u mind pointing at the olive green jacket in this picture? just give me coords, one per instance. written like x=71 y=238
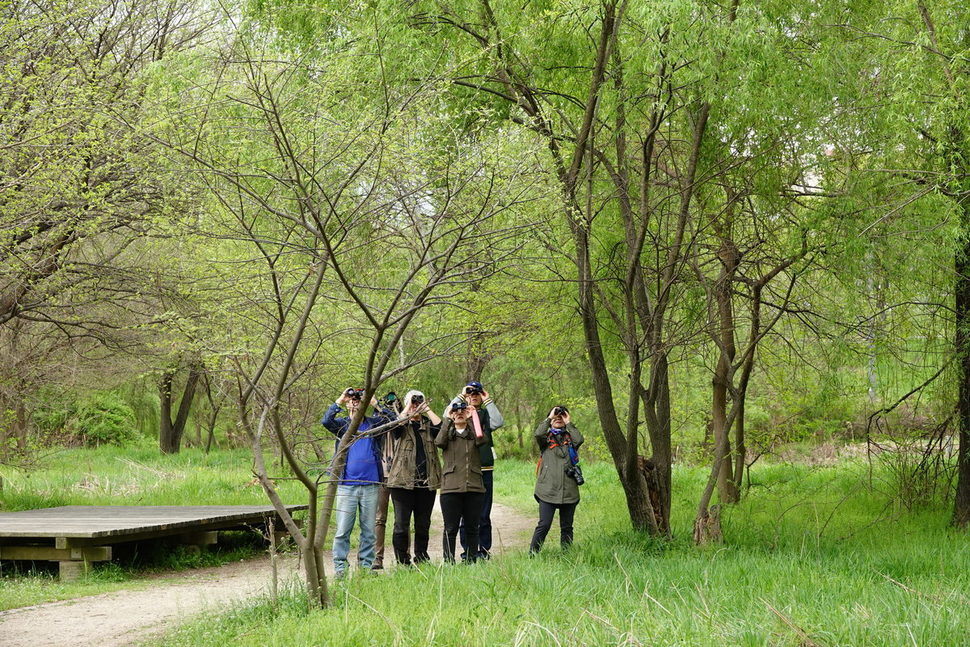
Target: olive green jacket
x=462 y=463
x=404 y=469
x=552 y=484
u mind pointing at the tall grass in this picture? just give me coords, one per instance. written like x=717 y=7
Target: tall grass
x=812 y=556
x=139 y=476
x=110 y=475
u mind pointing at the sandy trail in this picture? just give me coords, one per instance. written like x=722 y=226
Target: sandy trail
x=133 y=616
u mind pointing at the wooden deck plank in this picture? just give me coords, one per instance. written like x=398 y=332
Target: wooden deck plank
x=119 y=521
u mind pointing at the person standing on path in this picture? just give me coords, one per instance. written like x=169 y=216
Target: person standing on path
x=414 y=477
x=462 y=490
x=484 y=413
x=359 y=484
x=558 y=476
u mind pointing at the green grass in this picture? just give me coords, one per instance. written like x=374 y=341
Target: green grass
x=813 y=556
x=138 y=476
x=131 y=476
x=820 y=556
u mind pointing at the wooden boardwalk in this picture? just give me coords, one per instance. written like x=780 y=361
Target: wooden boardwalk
x=76 y=535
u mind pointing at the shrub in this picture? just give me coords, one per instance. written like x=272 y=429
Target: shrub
x=507 y=444
x=102 y=418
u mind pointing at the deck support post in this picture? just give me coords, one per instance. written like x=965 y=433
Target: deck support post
x=70 y=571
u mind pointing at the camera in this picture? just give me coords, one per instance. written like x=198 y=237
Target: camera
x=354 y=394
x=560 y=411
x=575 y=473
x=417 y=399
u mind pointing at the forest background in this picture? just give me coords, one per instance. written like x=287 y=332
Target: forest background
x=711 y=230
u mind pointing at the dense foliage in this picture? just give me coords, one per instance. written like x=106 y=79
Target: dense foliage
x=711 y=230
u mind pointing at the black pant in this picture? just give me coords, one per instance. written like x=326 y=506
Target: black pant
x=546 y=512
x=420 y=503
x=484 y=521
x=456 y=508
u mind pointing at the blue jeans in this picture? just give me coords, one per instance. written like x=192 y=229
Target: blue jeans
x=350 y=500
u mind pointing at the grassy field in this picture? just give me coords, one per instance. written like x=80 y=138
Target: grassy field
x=136 y=476
x=131 y=476
x=813 y=556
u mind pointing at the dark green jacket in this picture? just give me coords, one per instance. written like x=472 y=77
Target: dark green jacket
x=404 y=468
x=491 y=419
x=461 y=462
x=552 y=484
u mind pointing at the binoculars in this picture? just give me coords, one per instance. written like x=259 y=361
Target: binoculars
x=354 y=394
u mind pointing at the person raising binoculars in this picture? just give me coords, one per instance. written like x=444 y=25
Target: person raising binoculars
x=558 y=476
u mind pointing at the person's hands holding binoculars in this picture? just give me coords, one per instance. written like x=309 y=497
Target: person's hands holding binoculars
x=471 y=390
x=560 y=412
x=417 y=407
x=353 y=394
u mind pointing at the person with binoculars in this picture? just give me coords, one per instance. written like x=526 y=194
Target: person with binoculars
x=462 y=490
x=414 y=477
x=484 y=414
x=558 y=476
x=357 y=491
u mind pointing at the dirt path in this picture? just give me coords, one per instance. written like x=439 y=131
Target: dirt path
x=130 y=617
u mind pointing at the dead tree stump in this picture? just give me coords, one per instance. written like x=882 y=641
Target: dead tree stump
x=707 y=528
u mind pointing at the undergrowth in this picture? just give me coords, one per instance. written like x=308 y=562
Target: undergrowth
x=813 y=556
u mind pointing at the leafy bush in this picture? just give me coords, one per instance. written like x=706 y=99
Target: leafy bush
x=507 y=444
x=51 y=416
x=102 y=418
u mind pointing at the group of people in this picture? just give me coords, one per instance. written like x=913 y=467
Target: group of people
x=406 y=453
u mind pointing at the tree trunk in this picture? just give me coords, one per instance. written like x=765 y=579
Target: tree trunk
x=214 y=407
x=210 y=438
x=656 y=406
x=726 y=487
x=476 y=359
x=961 y=508
x=165 y=412
x=197 y=423
x=740 y=446
x=955 y=158
x=642 y=515
x=170 y=432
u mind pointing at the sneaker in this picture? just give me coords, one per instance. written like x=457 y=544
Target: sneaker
x=378 y=566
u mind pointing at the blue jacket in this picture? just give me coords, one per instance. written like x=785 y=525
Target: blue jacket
x=364 y=456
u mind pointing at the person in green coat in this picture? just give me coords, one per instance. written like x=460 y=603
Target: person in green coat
x=462 y=490
x=558 y=476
